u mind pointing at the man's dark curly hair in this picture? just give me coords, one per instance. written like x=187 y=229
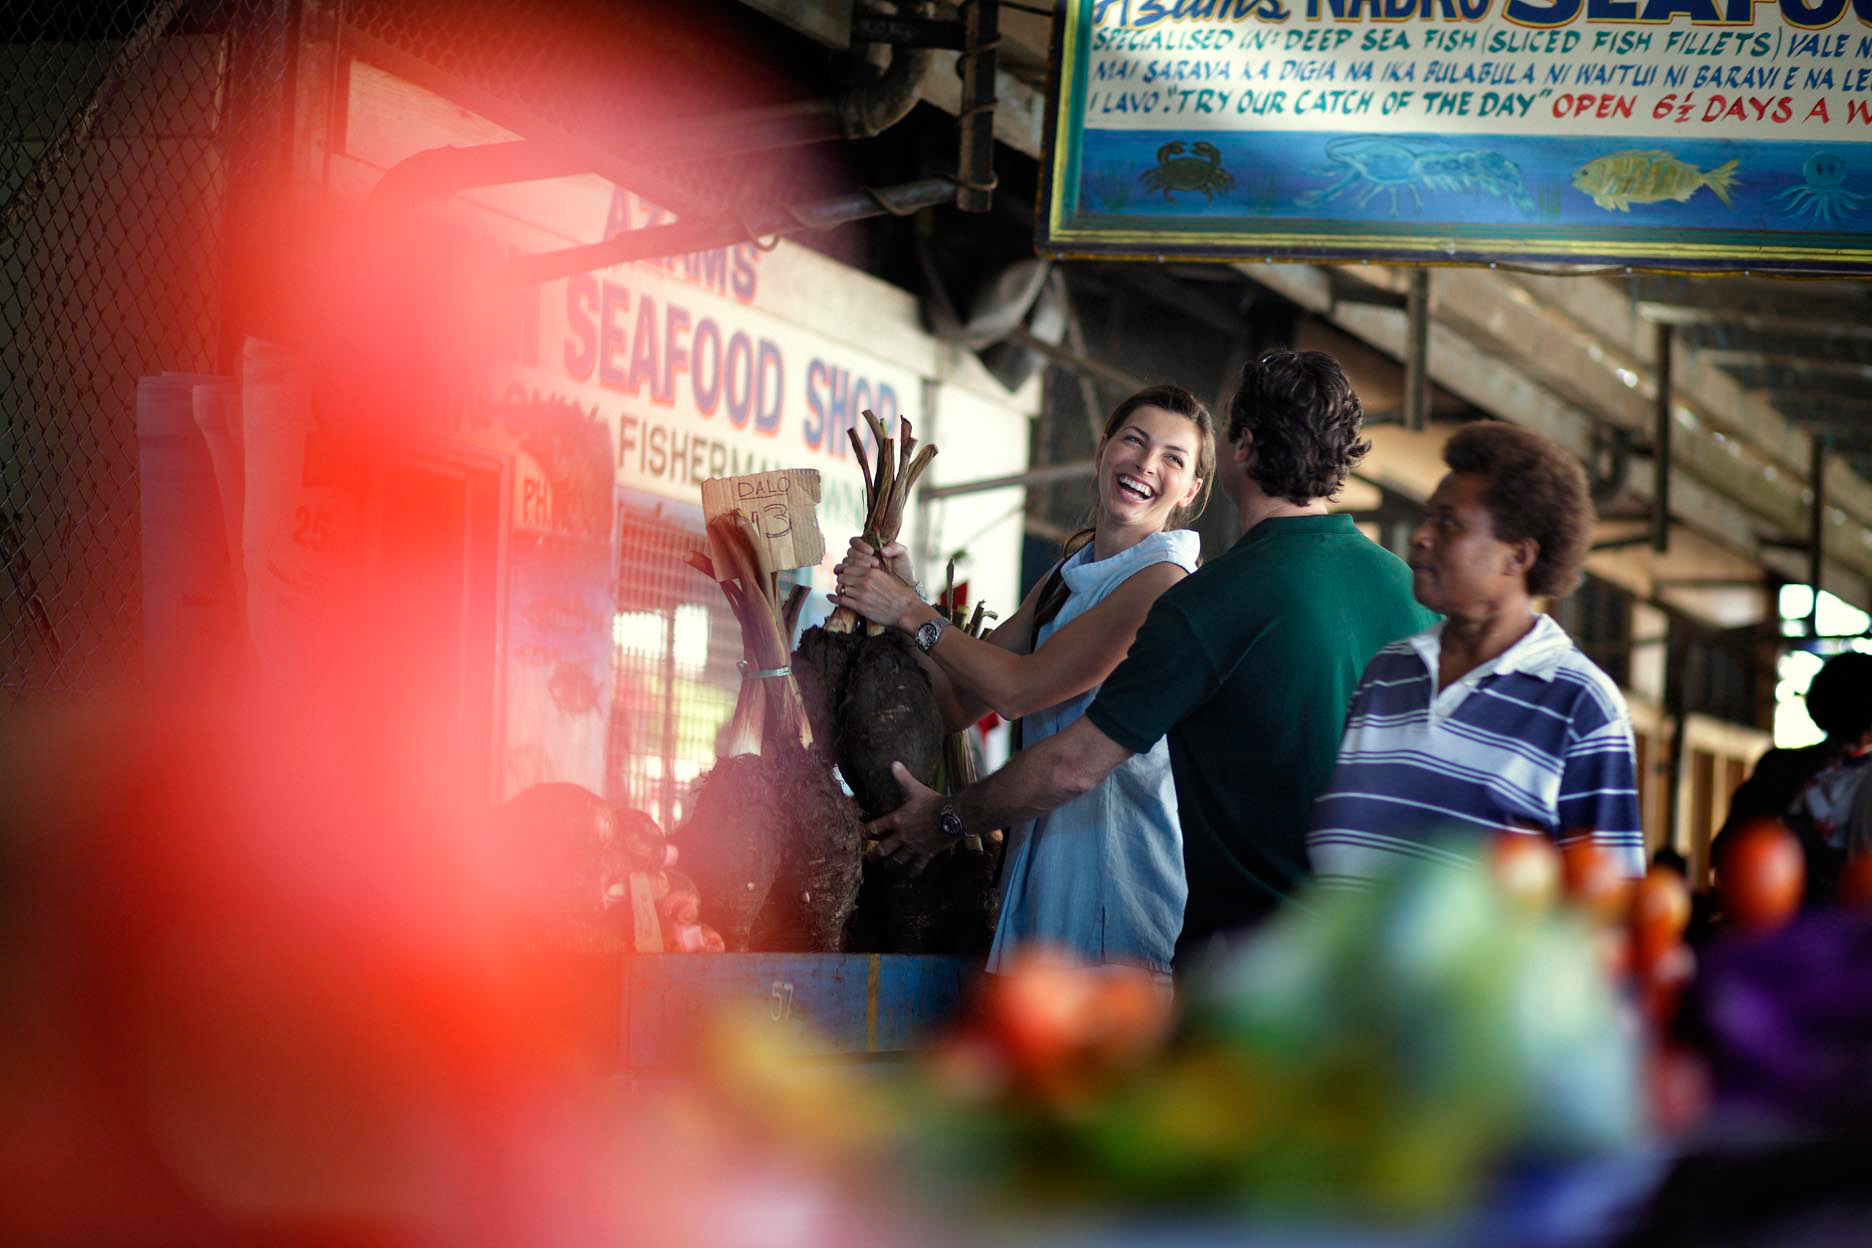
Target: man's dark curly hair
x=1304 y=419
x=1535 y=489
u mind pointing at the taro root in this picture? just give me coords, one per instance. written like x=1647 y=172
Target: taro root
x=887 y=714
x=950 y=907
x=821 y=856
x=772 y=844
x=970 y=877
x=567 y=866
x=731 y=846
x=872 y=702
x=871 y=705
x=643 y=841
x=774 y=849
x=821 y=662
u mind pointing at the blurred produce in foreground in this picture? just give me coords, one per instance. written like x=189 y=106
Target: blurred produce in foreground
x=1378 y=1053
x=1786 y=1023
x=268 y=984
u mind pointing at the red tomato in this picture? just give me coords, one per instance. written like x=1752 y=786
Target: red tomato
x=1526 y=867
x=1063 y=1030
x=1040 y=1014
x=1855 y=882
x=1590 y=875
x=1760 y=874
x=1660 y=912
x=1131 y=1014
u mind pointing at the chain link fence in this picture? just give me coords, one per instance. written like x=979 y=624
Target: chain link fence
x=131 y=138
x=127 y=131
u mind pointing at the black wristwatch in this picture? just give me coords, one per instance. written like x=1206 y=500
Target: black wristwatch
x=929 y=632
x=949 y=822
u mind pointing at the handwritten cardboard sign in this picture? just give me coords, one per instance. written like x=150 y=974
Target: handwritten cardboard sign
x=646 y=932
x=782 y=510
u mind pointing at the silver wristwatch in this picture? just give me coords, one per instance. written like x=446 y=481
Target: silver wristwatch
x=929 y=632
x=949 y=822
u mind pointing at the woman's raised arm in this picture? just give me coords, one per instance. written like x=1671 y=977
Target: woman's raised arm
x=990 y=672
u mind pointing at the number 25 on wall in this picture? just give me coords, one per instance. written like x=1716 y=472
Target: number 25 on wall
x=311 y=529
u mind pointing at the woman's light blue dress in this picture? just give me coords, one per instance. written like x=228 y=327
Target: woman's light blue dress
x=1102 y=876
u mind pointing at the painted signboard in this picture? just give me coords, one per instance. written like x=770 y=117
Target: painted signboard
x=1677 y=134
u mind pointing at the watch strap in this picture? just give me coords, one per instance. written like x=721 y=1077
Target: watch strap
x=929 y=632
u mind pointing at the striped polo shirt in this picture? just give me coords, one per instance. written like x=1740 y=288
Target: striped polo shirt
x=1537 y=739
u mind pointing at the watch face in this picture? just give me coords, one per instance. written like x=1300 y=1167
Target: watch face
x=926 y=635
x=949 y=821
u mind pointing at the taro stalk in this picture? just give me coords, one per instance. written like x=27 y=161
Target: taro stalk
x=768 y=708
x=958 y=763
x=886 y=491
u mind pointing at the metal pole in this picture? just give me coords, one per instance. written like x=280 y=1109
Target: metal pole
x=1816 y=529
x=1676 y=659
x=1661 y=444
x=700 y=235
x=1033 y=476
x=1077 y=361
x=975 y=177
x=668 y=795
x=1417 y=357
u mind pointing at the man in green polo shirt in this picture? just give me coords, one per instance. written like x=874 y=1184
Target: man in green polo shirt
x=1247 y=666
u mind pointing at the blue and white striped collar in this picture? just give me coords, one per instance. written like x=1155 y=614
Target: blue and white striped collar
x=1540 y=653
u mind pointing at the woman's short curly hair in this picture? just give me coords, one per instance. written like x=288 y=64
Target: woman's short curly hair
x=1304 y=418
x=1535 y=490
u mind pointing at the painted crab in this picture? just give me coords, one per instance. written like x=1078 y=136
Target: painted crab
x=1200 y=171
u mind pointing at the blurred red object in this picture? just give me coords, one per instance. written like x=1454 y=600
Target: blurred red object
x=1855 y=882
x=261 y=985
x=1760 y=874
x=1060 y=1030
x=1660 y=911
x=1590 y=877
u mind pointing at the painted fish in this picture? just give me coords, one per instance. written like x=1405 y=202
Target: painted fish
x=1622 y=179
x=563 y=615
x=573 y=690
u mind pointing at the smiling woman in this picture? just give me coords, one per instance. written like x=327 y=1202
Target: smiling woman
x=1101 y=878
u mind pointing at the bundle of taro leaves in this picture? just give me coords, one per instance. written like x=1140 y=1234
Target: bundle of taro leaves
x=870 y=704
x=775 y=848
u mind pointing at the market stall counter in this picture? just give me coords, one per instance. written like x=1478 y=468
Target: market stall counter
x=832 y=1004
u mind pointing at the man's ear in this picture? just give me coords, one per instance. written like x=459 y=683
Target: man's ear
x=1241 y=448
x=1523 y=553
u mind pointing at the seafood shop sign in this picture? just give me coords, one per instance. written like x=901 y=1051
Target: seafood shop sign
x=1683 y=134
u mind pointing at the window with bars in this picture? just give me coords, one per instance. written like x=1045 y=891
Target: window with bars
x=676 y=644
